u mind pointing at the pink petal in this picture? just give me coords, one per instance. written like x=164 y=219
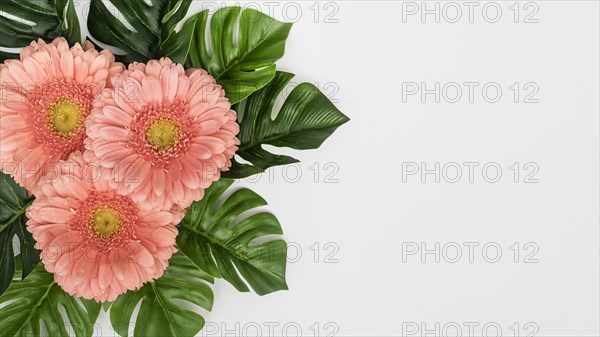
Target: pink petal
x=162 y=238
x=52 y=214
x=105 y=273
x=152 y=89
x=158 y=182
x=67 y=65
x=143 y=257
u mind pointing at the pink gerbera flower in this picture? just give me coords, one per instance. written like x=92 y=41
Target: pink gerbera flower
x=45 y=98
x=164 y=133
x=97 y=242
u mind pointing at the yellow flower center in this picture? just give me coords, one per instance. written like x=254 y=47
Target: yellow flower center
x=65 y=117
x=106 y=222
x=162 y=133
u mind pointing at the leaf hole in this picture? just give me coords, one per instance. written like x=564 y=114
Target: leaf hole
x=63 y=17
x=16 y=18
x=279 y=103
x=239 y=109
x=185 y=305
x=236 y=30
x=222 y=199
x=242 y=160
x=118 y=15
x=54 y=328
x=264 y=239
x=208 y=35
x=134 y=317
x=114 y=50
x=245 y=215
x=9 y=302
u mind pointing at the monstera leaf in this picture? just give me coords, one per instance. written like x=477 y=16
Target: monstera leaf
x=13 y=204
x=159 y=316
x=35 y=19
x=38 y=299
x=154 y=25
x=244 y=62
x=306 y=119
x=209 y=237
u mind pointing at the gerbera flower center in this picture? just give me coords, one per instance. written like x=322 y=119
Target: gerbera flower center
x=58 y=111
x=65 y=117
x=105 y=222
x=162 y=133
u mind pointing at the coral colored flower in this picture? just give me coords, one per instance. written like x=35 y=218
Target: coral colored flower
x=97 y=242
x=45 y=98
x=164 y=133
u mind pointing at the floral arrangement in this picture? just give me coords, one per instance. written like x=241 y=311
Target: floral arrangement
x=115 y=165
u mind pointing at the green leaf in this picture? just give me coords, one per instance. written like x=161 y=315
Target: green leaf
x=306 y=119
x=207 y=237
x=93 y=309
x=33 y=19
x=14 y=201
x=154 y=25
x=106 y=306
x=239 y=171
x=241 y=65
x=69 y=22
x=159 y=316
x=38 y=299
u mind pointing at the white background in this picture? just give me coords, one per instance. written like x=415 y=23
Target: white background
x=364 y=216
